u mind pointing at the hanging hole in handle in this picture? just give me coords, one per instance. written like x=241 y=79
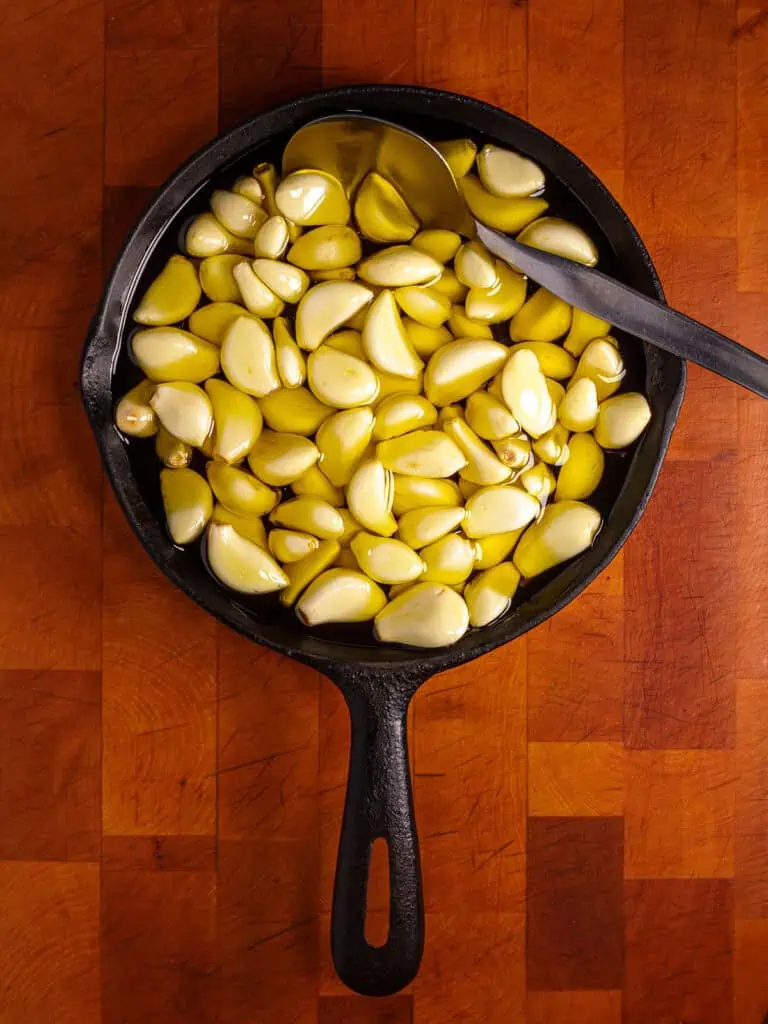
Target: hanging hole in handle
x=377 y=896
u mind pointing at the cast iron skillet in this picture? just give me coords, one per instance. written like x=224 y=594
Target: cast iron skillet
x=377 y=681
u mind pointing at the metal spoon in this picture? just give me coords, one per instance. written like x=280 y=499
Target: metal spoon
x=350 y=146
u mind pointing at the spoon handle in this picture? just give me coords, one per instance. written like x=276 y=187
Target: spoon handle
x=622 y=306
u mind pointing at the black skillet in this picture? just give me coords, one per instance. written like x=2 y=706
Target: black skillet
x=377 y=681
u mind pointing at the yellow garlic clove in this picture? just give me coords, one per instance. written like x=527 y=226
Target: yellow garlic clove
x=257 y=297
x=422 y=526
x=475 y=267
x=602 y=363
x=331 y=247
x=400 y=414
x=294 y=410
x=425 y=340
x=539 y=481
x=285 y=281
x=514 y=452
x=543 y=317
x=449 y=412
x=172 y=452
x=314 y=482
x=206 y=237
x=240 y=492
x=578 y=409
x=448 y=560
x=399 y=266
x=494 y=305
x=386 y=560
x=238 y=214
x=461 y=367
x=381 y=212
x=482 y=465
x=489 y=595
x=217 y=280
x=369 y=497
x=341 y=380
x=351 y=528
x=424 y=615
x=309 y=514
x=552 y=447
x=489 y=417
x=584 y=328
x=459 y=154
x=291 y=545
x=507 y=215
x=392 y=384
x=554 y=361
x=170 y=354
x=494 y=388
x=172 y=296
x=467 y=488
x=565 y=530
x=385 y=341
x=312 y=198
x=188 y=503
x=498 y=510
x=134 y=416
x=250 y=527
x=428 y=453
x=206 y=448
x=508 y=174
x=450 y=286
x=279 y=459
x=326 y=307
x=342 y=274
x=583 y=471
x=348 y=341
x=561 y=238
x=211 y=321
x=240 y=564
x=342 y=440
x=237 y=421
x=621 y=420
x=525 y=392
x=340 y=595
x=184 y=410
x=249 y=187
x=495 y=548
x=248 y=357
x=300 y=574
x=462 y=327
x=291 y=365
x=439 y=243
x=416 y=492
x=346 y=560
x=266 y=175
x=556 y=392
x=423 y=305
x=272 y=238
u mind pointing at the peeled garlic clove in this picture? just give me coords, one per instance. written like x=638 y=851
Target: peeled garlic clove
x=489 y=595
x=474 y=266
x=539 y=481
x=448 y=560
x=172 y=296
x=554 y=361
x=258 y=298
x=399 y=266
x=461 y=367
x=170 y=354
x=578 y=409
x=424 y=615
x=248 y=357
x=386 y=560
x=240 y=492
x=250 y=527
x=285 y=281
x=188 y=503
x=556 y=392
x=211 y=321
x=552 y=447
x=439 y=243
x=279 y=459
x=543 y=317
x=514 y=452
x=250 y=188
x=266 y=175
x=205 y=236
x=583 y=471
x=351 y=527
x=449 y=412
x=450 y=286
x=416 y=492
x=217 y=280
x=291 y=545
x=342 y=274
x=326 y=248
x=340 y=595
x=621 y=420
x=134 y=416
x=312 y=198
x=584 y=328
x=459 y=154
x=272 y=238
x=508 y=174
x=342 y=441
x=241 y=565
x=385 y=341
x=467 y=489
x=507 y=215
x=294 y=411
x=498 y=510
x=422 y=526
x=494 y=305
x=425 y=340
x=291 y=365
x=421 y=453
x=489 y=417
x=348 y=341
x=602 y=363
x=341 y=380
x=172 y=452
x=482 y=465
x=314 y=482
x=400 y=414
x=238 y=214
x=309 y=515
x=551 y=234
x=381 y=212
x=462 y=327
x=495 y=548
x=424 y=305
x=369 y=497
x=525 y=392
x=237 y=421
x=326 y=307
x=301 y=573
x=565 y=530
x=392 y=384
x=184 y=410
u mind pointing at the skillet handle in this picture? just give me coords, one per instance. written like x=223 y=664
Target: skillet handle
x=378 y=804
